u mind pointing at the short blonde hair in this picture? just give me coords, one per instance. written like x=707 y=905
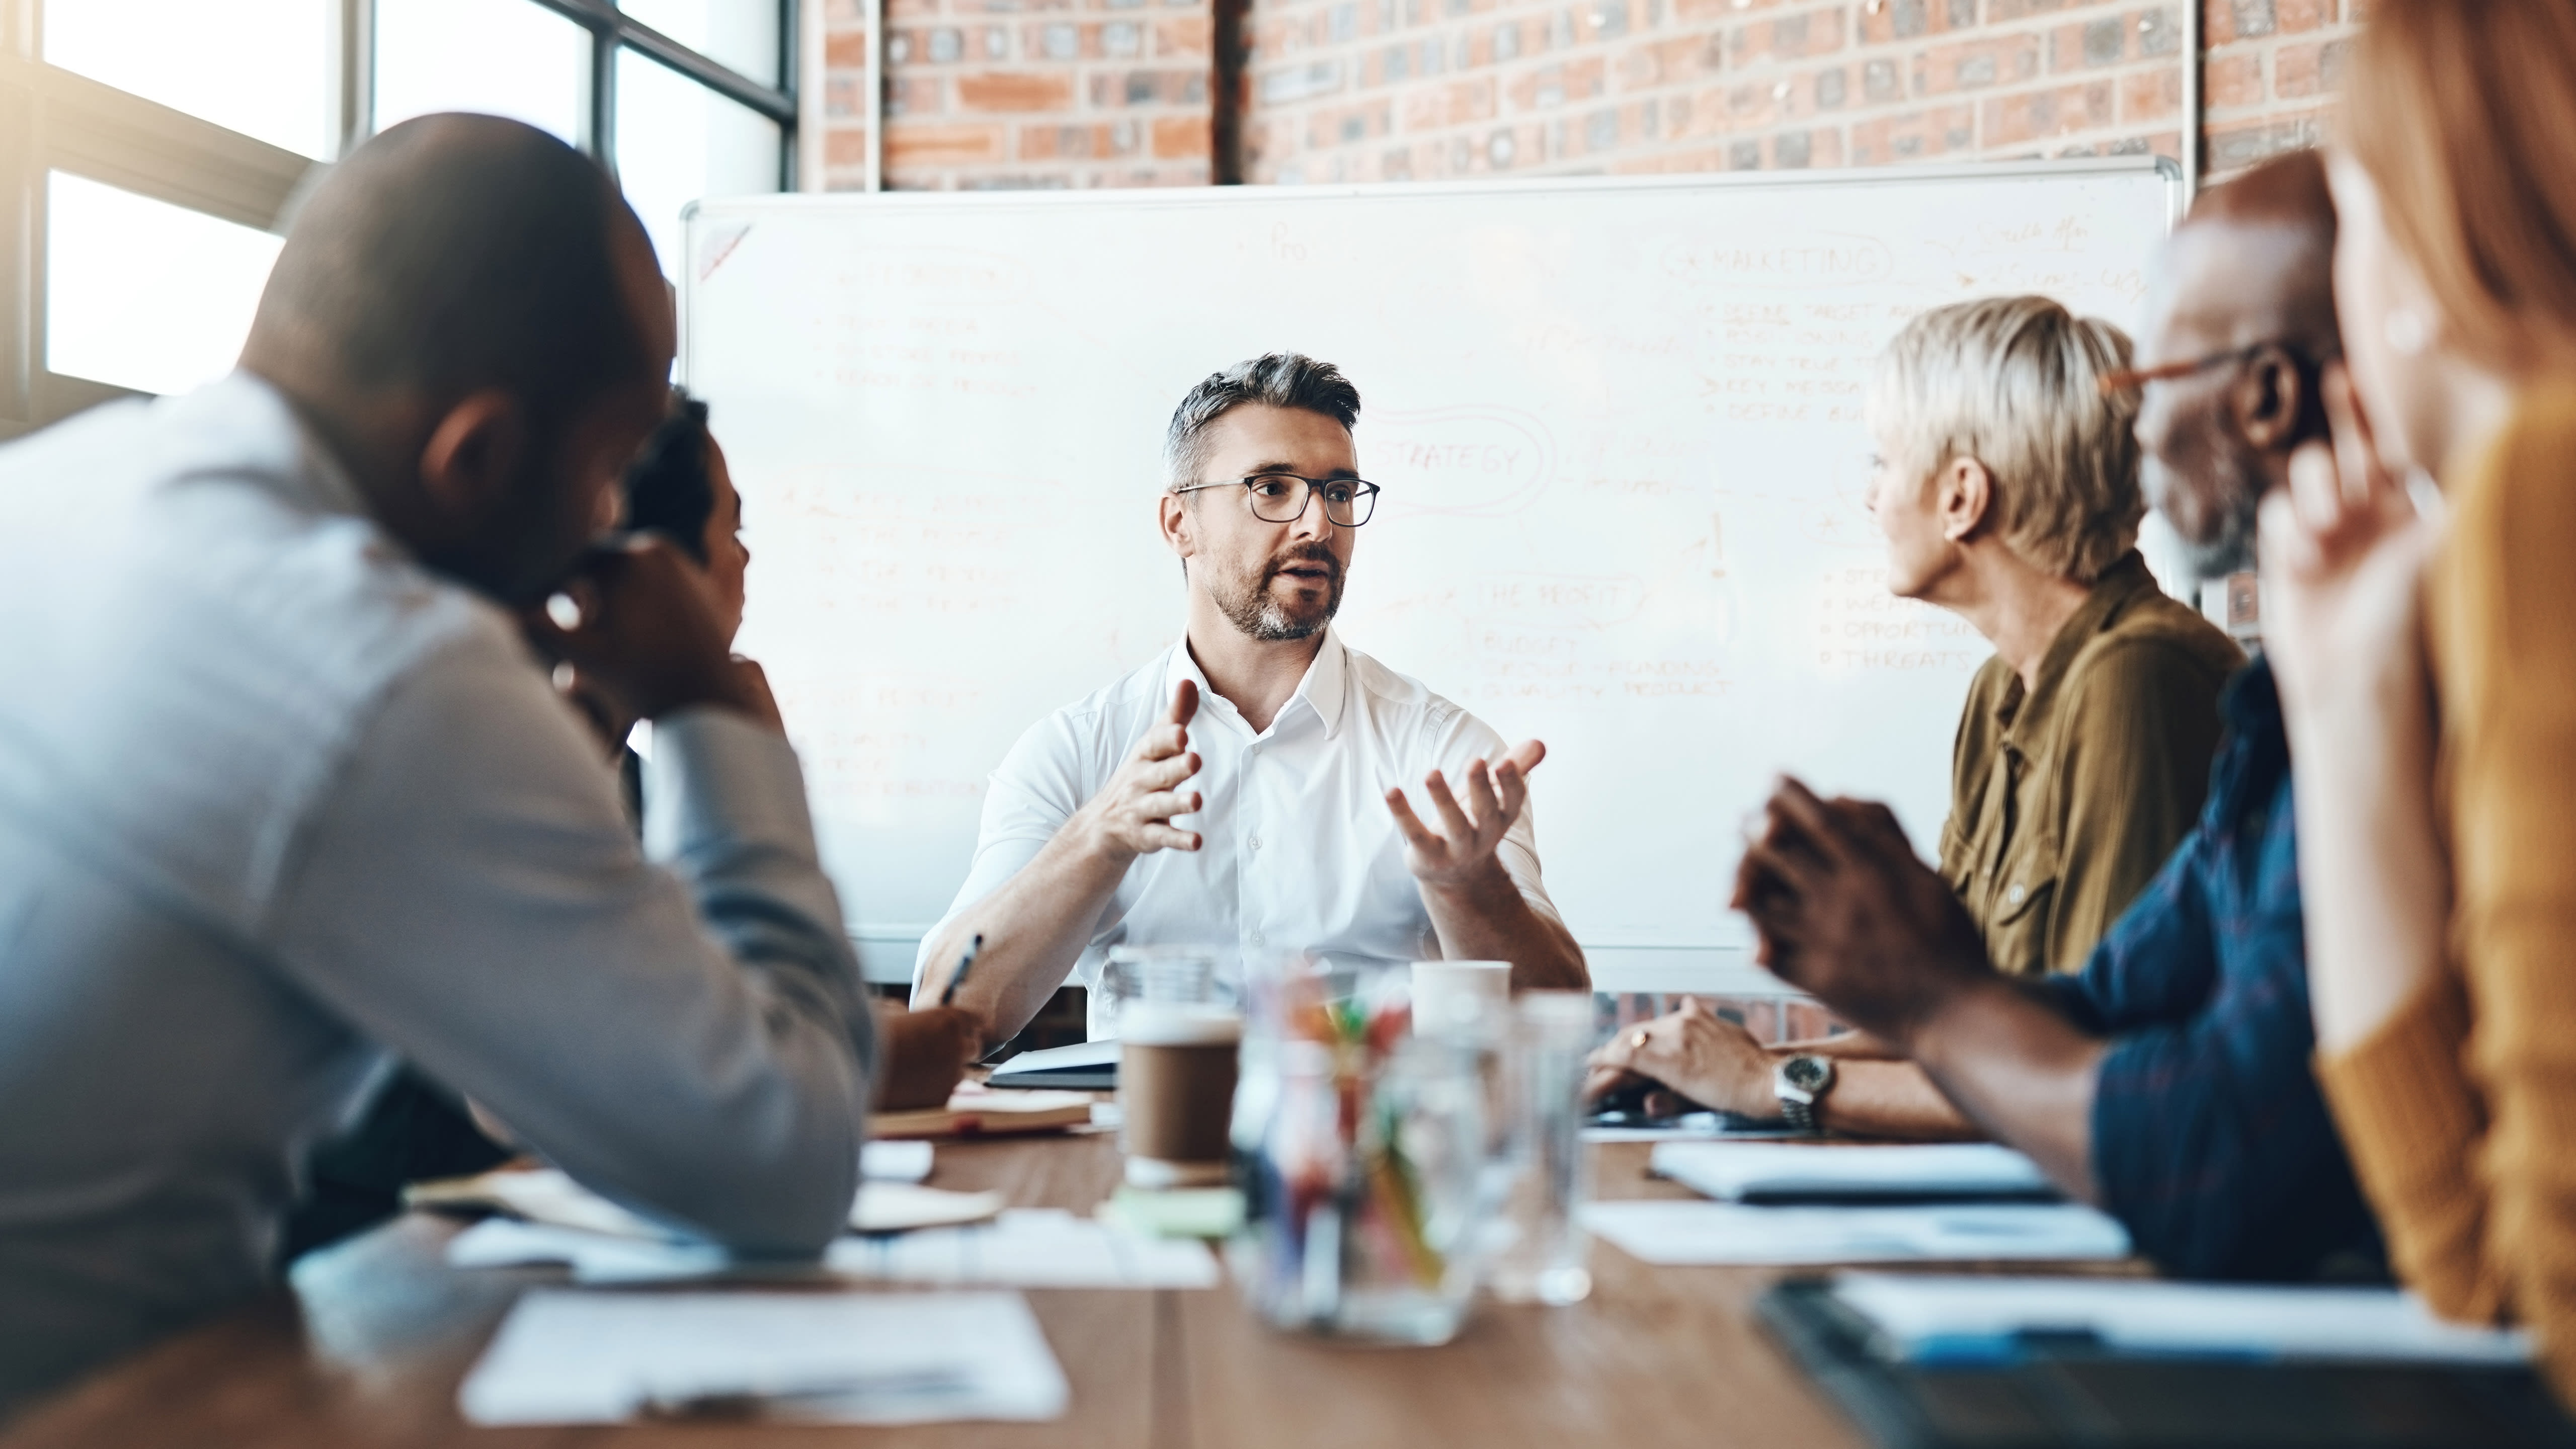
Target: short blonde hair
x=2016 y=383
x=2462 y=114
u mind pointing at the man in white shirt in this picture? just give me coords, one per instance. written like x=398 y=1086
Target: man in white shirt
x=1287 y=753
x=283 y=792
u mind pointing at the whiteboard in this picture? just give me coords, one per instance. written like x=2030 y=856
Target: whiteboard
x=1618 y=423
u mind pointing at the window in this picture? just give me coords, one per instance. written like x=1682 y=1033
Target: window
x=504 y=57
x=143 y=294
x=678 y=141
x=260 y=67
x=149 y=147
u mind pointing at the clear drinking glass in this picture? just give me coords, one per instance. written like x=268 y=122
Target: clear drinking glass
x=1362 y=1151
x=1540 y=1250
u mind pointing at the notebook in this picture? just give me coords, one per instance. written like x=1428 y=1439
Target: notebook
x=974 y=1111
x=1090 y=1066
x=1783 y=1172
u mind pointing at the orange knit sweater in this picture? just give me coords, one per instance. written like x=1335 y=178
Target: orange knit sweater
x=2460 y=1111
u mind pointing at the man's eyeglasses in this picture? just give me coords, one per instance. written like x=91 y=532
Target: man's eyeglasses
x=1281 y=497
x=2131 y=379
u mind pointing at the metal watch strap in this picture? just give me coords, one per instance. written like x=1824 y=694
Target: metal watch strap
x=1797 y=1103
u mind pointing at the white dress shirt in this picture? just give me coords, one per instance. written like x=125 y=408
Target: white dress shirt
x=1297 y=852
x=276 y=801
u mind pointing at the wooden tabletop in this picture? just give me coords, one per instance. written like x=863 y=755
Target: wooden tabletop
x=369 y=1348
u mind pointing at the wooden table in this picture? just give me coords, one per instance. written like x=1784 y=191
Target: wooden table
x=370 y=1346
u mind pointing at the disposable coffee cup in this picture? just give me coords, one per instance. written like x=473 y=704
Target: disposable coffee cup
x=1462 y=1001
x=1176 y=1073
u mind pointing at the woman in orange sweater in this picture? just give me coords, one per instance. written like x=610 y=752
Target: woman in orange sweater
x=2428 y=666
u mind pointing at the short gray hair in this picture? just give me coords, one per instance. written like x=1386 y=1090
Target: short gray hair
x=1278 y=379
x=2016 y=383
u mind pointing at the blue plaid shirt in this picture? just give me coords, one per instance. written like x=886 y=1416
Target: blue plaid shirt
x=2211 y=1141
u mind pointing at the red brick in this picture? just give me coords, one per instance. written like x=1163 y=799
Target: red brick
x=2298 y=16
x=1792 y=37
x=1977 y=64
x=1666 y=62
x=1002 y=90
x=846 y=49
x=2150 y=95
x=1939 y=131
x=916 y=95
x=941 y=145
x=1181 y=138
x=2233 y=81
x=1192 y=35
x=845 y=146
x=2304 y=71
x=2038 y=115
x=1457 y=103
x=1936 y=17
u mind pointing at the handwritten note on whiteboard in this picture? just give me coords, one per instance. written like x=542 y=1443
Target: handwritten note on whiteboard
x=1618 y=424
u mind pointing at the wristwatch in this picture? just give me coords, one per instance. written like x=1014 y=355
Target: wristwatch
x=1800 y=1082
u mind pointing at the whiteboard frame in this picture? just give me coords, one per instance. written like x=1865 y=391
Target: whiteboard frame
x=1716 y=970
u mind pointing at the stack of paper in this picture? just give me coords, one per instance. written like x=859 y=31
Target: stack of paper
x=1927 y=1319
x=1724 y=1232
x=1022 y=1248
x=548 y=1195
x=565 y=1357
x=1779 y=1172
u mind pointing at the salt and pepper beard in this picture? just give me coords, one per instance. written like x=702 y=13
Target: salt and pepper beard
x=1252 y=609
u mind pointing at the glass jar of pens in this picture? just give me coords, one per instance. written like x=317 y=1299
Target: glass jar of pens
x=1364 y=1154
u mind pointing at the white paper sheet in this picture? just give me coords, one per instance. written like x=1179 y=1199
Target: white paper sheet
x=1751 y=1171
x=1668 y=1232
x=895 y=1161
x=1100 y=1053
x=1953 y=1319
x=1031 y=1248
x=569 y=1357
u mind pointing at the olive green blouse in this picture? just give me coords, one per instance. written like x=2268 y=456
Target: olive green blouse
x=2065 y=798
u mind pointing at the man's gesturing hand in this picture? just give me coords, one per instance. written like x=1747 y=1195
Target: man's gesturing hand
x=1845 y=911
x=1462 y=850
x=1132 y=814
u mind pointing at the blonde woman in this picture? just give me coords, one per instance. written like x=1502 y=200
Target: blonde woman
x=2442 y=902
x=2007 y=488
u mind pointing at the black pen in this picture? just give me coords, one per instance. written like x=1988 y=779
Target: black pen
x=965 y=964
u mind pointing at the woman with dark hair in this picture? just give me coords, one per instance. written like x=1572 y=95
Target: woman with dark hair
x=680 y=488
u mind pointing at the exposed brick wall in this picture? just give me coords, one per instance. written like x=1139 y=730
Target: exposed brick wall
x=2272 y=69
x=1117 y=92
x=1025 y=93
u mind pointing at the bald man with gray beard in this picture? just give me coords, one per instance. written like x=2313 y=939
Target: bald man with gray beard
x=285 y=795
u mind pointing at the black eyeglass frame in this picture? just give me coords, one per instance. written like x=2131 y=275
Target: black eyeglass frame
x=1363 y=504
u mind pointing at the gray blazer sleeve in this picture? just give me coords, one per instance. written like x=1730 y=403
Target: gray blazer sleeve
x=687 y=1034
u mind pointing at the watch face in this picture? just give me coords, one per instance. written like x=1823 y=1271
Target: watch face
x=1804 y=1073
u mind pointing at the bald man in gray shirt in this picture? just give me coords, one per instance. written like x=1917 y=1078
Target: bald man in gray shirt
x=284 y=792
